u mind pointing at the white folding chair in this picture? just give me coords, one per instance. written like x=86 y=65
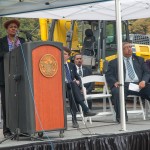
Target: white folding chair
x=100 y=95
x=135 y=110
x=147 y=108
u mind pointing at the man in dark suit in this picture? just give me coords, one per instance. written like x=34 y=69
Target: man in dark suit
x=84 y=71
x=73 y=84
x=7 y=43
x=135 y=71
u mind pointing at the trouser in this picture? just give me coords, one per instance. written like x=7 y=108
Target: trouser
x=144 y=93
x=90 y=104
x=75 y=97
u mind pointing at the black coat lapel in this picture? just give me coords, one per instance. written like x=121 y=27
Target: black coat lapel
x=5 y=44
x=71 y=70
x=84 y=71
x=135 y=66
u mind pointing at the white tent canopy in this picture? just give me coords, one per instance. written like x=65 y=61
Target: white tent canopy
x=130 y=9
x=8 y=7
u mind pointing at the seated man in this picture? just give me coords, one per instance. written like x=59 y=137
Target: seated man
x=84 y=71
x=135 y=71
x=74 y=89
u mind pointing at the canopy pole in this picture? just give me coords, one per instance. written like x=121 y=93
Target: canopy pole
x=120 y=64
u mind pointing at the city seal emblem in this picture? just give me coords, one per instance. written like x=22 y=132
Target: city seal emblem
x=48 y=65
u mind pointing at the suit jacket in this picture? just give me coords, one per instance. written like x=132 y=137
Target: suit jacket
x=4 y=48
x=87 y=72
x=140 y=68
x=73 y=72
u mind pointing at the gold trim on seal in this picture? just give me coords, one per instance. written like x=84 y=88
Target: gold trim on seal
x=48 y=65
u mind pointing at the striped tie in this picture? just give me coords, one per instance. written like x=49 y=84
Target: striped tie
x=80 y=72
x=130 y=70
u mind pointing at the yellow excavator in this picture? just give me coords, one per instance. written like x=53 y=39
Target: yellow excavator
x=64 y=31
x=104 y=32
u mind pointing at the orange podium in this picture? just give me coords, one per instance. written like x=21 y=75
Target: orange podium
x=35 y=87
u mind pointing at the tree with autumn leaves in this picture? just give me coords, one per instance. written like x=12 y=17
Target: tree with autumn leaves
x=140 y=26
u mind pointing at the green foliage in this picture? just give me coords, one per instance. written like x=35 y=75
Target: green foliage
x=139 y=26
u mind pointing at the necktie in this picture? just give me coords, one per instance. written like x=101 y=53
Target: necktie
x=130 y=70
x=80 y=72
x=68 y=75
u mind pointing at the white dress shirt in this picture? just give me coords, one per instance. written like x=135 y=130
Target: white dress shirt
x=78 y=69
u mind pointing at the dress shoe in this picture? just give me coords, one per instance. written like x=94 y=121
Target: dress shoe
x=7 y=135
x=75 y=124
x=89 y=113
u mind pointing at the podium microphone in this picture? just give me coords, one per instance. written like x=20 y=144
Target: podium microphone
x=23 y=31
x=28 y=35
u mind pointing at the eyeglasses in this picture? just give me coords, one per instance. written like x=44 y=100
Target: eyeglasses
x=126 y=47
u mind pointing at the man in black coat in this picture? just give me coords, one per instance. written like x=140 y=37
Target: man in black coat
x=84 y=71
x=73 y=84
x=135 y=71
x=7 y=43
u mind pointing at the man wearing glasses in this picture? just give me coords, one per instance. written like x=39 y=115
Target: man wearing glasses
x=135 y=71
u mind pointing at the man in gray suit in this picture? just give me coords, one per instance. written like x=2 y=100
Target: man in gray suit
x=135 y=71
x=84 y=71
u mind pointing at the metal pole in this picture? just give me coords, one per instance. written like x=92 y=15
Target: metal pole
x=51 y=30
x=120 y=64
x=70 y=34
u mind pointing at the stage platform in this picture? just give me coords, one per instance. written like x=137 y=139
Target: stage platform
x=102 y=134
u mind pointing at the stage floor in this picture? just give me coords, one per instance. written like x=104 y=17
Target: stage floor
x=100 y=126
